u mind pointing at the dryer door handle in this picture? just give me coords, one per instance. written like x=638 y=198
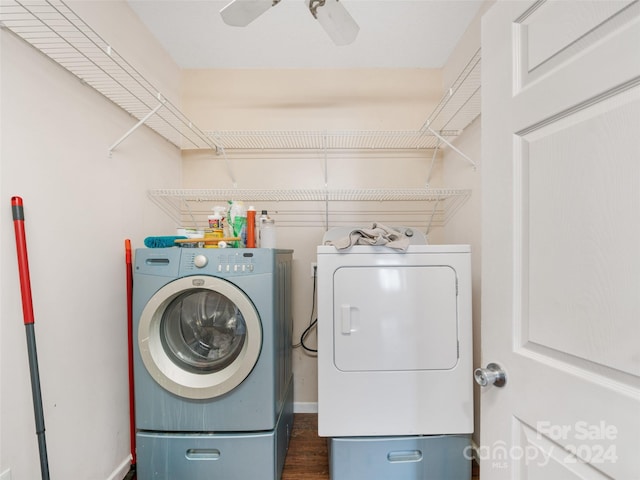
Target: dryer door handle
x=346 y=319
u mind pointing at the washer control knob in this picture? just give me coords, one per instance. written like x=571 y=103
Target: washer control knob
x=200 y=261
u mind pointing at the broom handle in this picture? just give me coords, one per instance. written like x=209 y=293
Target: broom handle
x=27 y=311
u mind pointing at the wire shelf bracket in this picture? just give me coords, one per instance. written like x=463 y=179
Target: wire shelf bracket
x=452 y=147
x=135 y=127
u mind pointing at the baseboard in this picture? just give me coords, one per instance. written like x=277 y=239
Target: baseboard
x=121 y=471
x=305 y=407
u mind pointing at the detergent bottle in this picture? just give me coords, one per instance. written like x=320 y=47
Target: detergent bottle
x=267 y=231
x=251 y=227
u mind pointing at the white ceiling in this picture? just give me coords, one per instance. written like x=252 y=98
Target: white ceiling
x=393 y=34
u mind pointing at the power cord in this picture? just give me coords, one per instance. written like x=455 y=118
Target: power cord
x=312 y=321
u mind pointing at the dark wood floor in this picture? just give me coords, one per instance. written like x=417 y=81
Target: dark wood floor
x=307 y=458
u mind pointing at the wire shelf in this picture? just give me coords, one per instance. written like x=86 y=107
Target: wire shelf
x=57 y=31
x=329 y=140
x=461 y=103
x=456 y=110
x=318 y=207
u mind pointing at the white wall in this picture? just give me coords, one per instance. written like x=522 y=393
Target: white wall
x=80 y=206
x=466 y=226
x=457 y=172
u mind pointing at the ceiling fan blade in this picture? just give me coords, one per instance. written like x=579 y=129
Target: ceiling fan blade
x=240 y=13
x=335 y=19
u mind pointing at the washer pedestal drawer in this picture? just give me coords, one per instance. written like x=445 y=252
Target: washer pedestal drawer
x=214 y=456
x=435 y=457
x=203 y=457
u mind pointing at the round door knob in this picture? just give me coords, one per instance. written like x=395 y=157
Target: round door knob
x=492 y=375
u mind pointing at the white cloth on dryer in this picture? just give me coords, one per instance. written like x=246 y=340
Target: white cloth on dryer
x=378 y=234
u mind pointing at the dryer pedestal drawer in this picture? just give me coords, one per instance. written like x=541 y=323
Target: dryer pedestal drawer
x=437 y=457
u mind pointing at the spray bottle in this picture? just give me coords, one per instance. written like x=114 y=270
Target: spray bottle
x=238 y=222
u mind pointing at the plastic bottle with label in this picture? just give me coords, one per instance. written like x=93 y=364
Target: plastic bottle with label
x=267 y=231
x=251 y=227
x=263 y=216
x=216 y=221
x=238 y=222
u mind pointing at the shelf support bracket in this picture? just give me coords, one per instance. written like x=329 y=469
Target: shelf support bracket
x=442 y=139
x=232 y=175
x=326 y=181
x=433 y=214
x=135 y=127
x=433 y=161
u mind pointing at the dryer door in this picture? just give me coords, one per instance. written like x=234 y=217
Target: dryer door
x=395 y=318
x=199 y=337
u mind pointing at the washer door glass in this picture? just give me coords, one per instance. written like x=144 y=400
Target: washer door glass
x=199 y=336
x=203 y=331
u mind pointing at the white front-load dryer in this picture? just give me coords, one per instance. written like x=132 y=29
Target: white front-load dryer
x=394 y=341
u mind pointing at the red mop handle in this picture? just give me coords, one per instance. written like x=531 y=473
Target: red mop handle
x=132 y=409
x=23 y=261
x=27 y=310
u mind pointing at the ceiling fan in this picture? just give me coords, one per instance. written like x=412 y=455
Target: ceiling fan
x=331 y=14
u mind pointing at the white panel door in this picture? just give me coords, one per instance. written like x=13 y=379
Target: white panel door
x=561 y=240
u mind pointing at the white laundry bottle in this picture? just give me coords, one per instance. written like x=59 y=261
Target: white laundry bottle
x=263 y=216
x=267 y=231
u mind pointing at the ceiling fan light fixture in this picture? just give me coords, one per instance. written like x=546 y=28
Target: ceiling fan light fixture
x=335 y=19
x=240 y=13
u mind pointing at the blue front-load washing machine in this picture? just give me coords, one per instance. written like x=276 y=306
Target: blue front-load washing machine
x=212 y=362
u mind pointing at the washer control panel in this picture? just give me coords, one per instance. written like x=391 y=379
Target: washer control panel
x=226 y=261
x=235 y=268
